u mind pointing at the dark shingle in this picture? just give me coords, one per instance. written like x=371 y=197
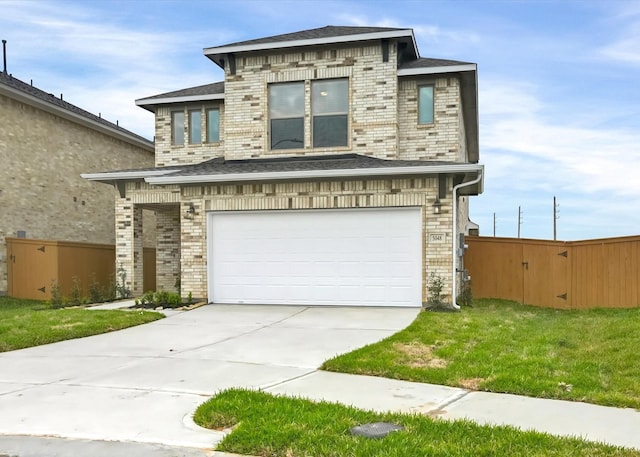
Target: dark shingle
x=221 y=166
x=16 y=84
x=426 y=62
x=328 y=31
x=206 y=89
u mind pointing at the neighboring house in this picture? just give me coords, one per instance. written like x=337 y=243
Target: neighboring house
x=332 y=166
x=45 y=143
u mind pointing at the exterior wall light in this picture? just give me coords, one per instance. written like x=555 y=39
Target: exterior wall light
x=190 y=211
x=437 y=206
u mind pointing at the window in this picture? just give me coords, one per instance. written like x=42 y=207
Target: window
x=330 y=107
x=425 y=105
x=177 y=127
x=286 y=115
x=213 y=125
x=195 y=127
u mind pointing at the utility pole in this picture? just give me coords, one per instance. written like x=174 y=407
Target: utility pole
x=494 y=225
x=519 y=220
x=555 y=217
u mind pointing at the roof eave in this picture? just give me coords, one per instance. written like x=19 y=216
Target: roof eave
x=150 y=103
x=215 y=53
x=437 y=70
x=110 y=176
x=74 y=117
x=464 y=169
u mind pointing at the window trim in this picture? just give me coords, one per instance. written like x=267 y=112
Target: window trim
x=174 y=126
x=308 y=116
x=190 y=129
x=313 y=116
x=433 y=104
x=302 y=116
x=207 y=110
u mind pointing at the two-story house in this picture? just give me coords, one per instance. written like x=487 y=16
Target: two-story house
x=332 y=166
x=45 y=144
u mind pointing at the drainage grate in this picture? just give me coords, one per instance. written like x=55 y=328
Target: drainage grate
x=375 y=429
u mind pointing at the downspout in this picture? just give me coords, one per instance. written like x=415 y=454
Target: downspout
x=455 y=235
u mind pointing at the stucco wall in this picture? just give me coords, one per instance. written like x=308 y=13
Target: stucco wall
x=41 y=191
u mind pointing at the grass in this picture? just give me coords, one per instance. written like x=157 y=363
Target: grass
x=501 y=346
x=265 y=425
x=27 y=323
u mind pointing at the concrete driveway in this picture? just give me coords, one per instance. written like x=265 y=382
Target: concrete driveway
x=142 y=384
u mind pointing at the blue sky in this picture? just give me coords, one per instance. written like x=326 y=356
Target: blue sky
x=559 y=83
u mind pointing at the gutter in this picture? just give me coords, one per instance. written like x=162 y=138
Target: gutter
x=312 y=174
x=437 y=70
x=124 y=175
x=455 y=234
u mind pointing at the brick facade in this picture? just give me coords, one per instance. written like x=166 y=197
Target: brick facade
x=370 y=193
x=41 y=191
x=382 y=123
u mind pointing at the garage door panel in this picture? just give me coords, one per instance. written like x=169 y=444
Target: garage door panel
x=341 y=257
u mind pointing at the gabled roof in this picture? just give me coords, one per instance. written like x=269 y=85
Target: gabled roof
x=27 y=93
x=213 y=91
x=330 y=34
x=337 y=166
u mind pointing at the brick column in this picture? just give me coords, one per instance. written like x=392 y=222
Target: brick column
x=168 y=247
x=193 y=250
x=129 y=246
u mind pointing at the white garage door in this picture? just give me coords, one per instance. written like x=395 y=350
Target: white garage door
x=364 y=257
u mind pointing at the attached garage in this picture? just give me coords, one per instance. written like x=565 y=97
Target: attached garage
x=358 y=257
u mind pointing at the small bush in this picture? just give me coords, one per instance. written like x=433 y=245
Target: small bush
x=75 y=296
x=95 y=290
x=435 y=299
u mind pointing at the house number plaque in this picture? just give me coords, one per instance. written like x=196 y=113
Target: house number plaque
x=436 y=237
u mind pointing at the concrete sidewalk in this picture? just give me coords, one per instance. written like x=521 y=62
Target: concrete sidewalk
x=141 y=385
x=616 y=426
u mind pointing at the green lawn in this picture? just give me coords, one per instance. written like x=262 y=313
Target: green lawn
x=501 y=346
x=264 y=425
x=26 y=323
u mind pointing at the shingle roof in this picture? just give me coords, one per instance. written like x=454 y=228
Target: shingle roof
x=328 y=35
x=427 y=62
x=14 y=83
x=328 y=31
x=205 y=89
x=220 y=166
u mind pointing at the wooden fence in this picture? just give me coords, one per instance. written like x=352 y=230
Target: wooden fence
x=558 y=274
x=36 y=265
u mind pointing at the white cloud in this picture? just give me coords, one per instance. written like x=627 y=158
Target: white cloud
x=625 y=45
x=532 y=153
x=112 y=63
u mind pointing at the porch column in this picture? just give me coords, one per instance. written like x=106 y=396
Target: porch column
x=193 y=249
x=168 y=247
x=129 y=248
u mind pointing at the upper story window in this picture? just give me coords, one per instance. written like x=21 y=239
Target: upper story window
x=425 y=104
x=330 y=108
x=329 y=116
x=193 y=131
x=195 y=127
x=177 y=127
x=286 y=115
x=213 y=125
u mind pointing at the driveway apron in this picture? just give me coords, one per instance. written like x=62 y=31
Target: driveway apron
x=143 y=383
